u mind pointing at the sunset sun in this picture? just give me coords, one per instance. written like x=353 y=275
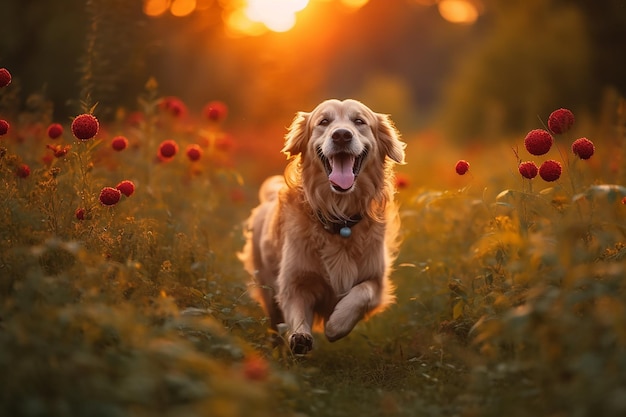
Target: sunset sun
x=276 y=15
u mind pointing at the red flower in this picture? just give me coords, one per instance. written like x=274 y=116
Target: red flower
x=80 y=213
x=528 y=169
x=22 y=171
x=173 y=106
x=402 y=181
x=126 y=187
x=237 y=195
x=194 y=152
x=109 y=196
x=135 y=118
x=167 y=149
x=119 y=143
x=55 y=130
x=224 y=143
x=550 y=170
x=538 y=142
x=560 y=121
x=462 y=167
x=5 y=77
x=255 y=368
x=583 y=148
x=4 y=127
x=85 y=127
x=215 y=111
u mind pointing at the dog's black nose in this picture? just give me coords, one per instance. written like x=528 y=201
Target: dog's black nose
x=342 y=136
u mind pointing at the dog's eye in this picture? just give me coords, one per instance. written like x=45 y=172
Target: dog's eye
x=359 y=121
x=324 y=122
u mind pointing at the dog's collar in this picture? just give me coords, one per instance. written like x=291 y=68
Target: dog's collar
x=339 y=226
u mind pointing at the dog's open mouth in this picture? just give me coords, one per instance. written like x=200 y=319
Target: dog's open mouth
x=342 y=169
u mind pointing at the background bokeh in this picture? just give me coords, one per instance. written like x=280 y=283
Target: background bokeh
x=476 y=68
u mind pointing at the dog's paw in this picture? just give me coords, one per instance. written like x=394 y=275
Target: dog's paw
x=301 y=343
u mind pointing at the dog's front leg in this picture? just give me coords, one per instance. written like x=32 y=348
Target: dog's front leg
x=297 y=301
x=361 y=299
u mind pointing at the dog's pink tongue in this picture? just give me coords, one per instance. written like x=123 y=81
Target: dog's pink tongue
x=341 y=173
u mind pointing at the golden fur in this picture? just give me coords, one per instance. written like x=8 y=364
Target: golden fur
x=306 y=275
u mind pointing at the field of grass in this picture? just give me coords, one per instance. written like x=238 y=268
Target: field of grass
x=511 y=297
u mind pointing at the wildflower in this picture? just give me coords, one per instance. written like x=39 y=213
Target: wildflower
x=80 y=213
x=528 y=169
x=560 y=121
x=402 y=181
x=85 y=126
x=126 y=187
x=215 y=111
x=550 y=170
x=224 y=143
x=55 y=130
x=22 y=171
x=256 y=368
x=194 y=152
x=5 y=77
x=583 y=148
x=173 y=106
x=462 y=167
x=135 y=118
x=538 y=142
x=237 y=195
x=119 y=143
x=167 y=149
x=109 y=196
x=4 y=127
x=59 y=151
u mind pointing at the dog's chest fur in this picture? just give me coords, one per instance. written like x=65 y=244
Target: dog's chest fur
x=342 y=258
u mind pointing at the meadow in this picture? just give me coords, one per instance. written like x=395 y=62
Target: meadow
x=121 y=293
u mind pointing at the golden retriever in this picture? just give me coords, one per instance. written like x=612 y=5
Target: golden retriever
x=321 y=243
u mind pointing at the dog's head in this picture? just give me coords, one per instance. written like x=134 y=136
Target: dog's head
x=343 y=138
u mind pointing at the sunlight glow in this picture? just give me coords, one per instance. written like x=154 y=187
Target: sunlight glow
x=238 y=24
x=156 y=7
x=182 y=7
x=354 y=4
x=276 y=15
x=458 y=11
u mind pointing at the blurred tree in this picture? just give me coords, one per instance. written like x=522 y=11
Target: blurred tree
x=607 y=31
x=113 y=63
x=534 y=58
x=40 y=46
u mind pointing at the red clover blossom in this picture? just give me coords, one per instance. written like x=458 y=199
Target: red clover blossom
x=538 y=142
x=583 y=148
x=550 y=170
x=528 y=169
x=560 y=121
x=85 y=127
x=462 y=167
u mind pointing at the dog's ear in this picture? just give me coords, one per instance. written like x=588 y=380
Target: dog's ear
x=389 y=139
x=297 y=135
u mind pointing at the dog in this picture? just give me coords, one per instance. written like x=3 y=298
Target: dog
x=321 y=243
